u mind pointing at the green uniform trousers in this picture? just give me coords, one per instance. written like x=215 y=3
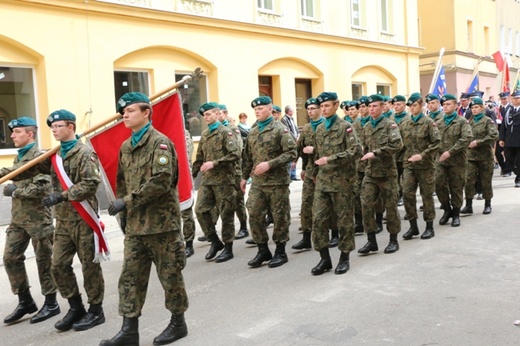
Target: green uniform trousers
x=222 y=196
x=484 y=169
x=425 y=180
x=374 y=191
x=449 y=183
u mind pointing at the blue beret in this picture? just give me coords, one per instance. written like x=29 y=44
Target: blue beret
x=222 y=107
x=413 y=98
x=504 y=94
x=399 y=98
x=327 y=96
x=447 y=97
x=516 y=93
x=311 y=101
x=207 y=106
x=375 y=98
x=431 y=97
x=277 y=109
x=477 y=93
x=476 y=101
x=130 y=98
x=261 y=101
x=21 y=122
x=362 y=101
x=61 y=114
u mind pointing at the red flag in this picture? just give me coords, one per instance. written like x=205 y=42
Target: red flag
x=167 y=118
x=506 y=80
x=499 y=61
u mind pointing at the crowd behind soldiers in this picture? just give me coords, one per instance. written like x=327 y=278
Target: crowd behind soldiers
x=355 y=168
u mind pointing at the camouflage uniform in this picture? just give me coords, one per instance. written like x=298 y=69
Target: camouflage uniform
x=481 y=158
x=188 y=222
x=30 y=222
x=73 y=234
x=217 y=184
x=335 y=182
x=419 y=137
x=399 y=120
x=306 y=139
x=269 y=191
x=360 y=167
x=147 y=182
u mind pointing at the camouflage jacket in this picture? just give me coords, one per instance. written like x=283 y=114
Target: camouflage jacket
x=455 y=138
x=147 y=179
x=361 y=165
x=342 y=148
x=306 y=139
x=276 y=146
x=26 y=208
x=384 y=141
x=189 y=146
x=219 y=146
x=240 y=142
x=82 y=167
x=421 y=137
x=440 y=115
x=399 y=156
x=486 y=134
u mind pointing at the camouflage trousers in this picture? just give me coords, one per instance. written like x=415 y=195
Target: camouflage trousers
x=166 y=251
x=71 y=238
x=484 y=169
x=16 y=242
x=357 y=192
x=306 y=206
x=400 y=172
x=425 y=180
x=374 y=191
x=239 y=202
x=276 y=199
x=188 y=224
x=449 y=183
x=222 y=196
x=338 y=206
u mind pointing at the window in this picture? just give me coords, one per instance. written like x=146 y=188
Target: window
x=355 y=13
x=265 y=5
x=17 y=99
x=384 y=16
x=129 y=81
x=383 y=89
x=193 y=95
x=357 y=91
x=307 y=8
x=470 y=36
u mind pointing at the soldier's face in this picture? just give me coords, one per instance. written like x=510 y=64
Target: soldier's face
x=386 y=106
x=399 y=106
x=504 y=101
x=415 y=108
x=263 y=112
x=477 y=109
x=353 y=112
x=314 y=112
x=21 y=137
x=363 y=110
x=516 y=101
x=329 y=108
x=449 y=106
x=211 y=115
x=434 y=105
x=375 y=109
x=134 y=118
x=62 y=131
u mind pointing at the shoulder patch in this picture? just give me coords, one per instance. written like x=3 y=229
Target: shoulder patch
x=163 y=160
x=349 y=129
x=163 y=146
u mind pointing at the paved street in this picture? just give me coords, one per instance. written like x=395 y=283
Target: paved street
x=459 y=288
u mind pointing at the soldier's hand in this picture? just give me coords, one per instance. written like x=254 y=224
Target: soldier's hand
x=415 y=158
x=243 y=185
x=368 y=156
x=9 y=189
x=308 y=150
x=261 y=168
x=302 y=175
x=321 y=161
x=472 y=144
x=116 y=206
x=501 y=143
x=52 y=199
x=122 y=224
x=445 y=155
x=206 y=166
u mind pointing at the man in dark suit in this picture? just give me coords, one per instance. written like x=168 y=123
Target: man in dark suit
x=464 y=104
x=509 y=137
x=504 y=108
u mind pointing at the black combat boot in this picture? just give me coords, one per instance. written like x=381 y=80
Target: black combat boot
x=75 y=313
x=26 y=305
x=263 y=255
x=371 y=245
x=127 y=336
x=227 y=254
x=455 y=222
x=358 y=224
x=448 y=213
x=303 y=244
x=487 y=207
x=343 y=264
x=393 y=245
x=177 y=329
x=279 y=258
x=216 y=246
x=243 y=232
x=468 y=209
x=95 y=316
x=325 y=263
x=334 y=238
x=250 y=242
x=50 y=308
x=189 y=248
x=413 y=230
x=379 y=222
x=428 y=232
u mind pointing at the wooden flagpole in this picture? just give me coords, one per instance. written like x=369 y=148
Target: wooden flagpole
x=475 y=71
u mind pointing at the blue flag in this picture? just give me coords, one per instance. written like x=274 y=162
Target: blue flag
x=474 y=84
x=440 y=85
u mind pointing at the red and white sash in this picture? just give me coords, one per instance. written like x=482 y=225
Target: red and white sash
x=86 y=211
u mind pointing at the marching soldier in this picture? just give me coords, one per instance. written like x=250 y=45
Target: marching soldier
x=148 y=206
x=337 y=149
x=344 y=106
x=400 y=115
x=30 y=222
x=269 y=148
x=434 y=107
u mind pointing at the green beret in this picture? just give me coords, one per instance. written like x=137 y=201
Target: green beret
x=277 y=109
x=362 y=101
x=222 y=107
x=476 y=101
x=21 y=122
x=61 y=114
x=431 y=97
x=375 y=98
x=327 y=96
x=207 y=106
x=447 y=97
x=387 y=99
x=344 y=104
x=399 y=98
x=352 y=104
x=261 y=101
x=413 y=98
x=311 y=101
x=130 y=98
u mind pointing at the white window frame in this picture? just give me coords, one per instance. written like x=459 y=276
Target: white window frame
x=304 y=4
x=385 y=18
x=261 y=4
x=354 y=13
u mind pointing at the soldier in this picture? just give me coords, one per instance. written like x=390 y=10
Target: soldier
x=353 y=112
x=400 y=115
x=188 y=222
x=148 y=207
x=480 y=156
x=305 y=146
x=503 y=109
x=74 y=235
x=450 y=171
x=434 y=105
x=421 y=142
x=216 y=158
x=382 y=140
x=337 y=150
x=388 y=111
x=269 y=148
x=277 y=113
x=344 y=106
x=30 y=222
x=510 y=139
